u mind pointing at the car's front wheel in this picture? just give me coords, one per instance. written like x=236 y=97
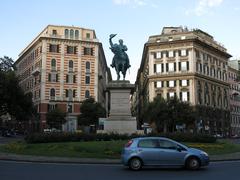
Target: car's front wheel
x=135 y=164
x=193 y=163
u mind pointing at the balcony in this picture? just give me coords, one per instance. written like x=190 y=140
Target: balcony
x=36 y=71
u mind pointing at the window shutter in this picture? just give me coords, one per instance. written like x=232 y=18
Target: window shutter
x=174 y=53
x=175 y=83
x=155 y=84
x=74 y=93
x=162 y=83
x=75 y=49
x=186 y=52
x=187 y=65
x=180 y=82
x=179 y=66
x=181 y=96
x=66 y=92
x=74 y=78
x=175 y=67
x=154 y=55
x=167 y=95
x=92 y=51
x=162 y=67
x=196 y=66
x=166 y=53
x=175 y=94
x=188 y=94
x=166 y=67
x=188 y=82
x=154 y=68
x=58 y=48
x=56 y=77
x=167 y=83
x=179 y=52
x=67 y=78
x=49 y=77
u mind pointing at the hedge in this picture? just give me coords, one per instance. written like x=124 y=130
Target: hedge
x=65 y=137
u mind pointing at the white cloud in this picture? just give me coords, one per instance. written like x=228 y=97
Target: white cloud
x=135 y=3
x=203 y=7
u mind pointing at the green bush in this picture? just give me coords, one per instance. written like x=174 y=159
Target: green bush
x=64 y=137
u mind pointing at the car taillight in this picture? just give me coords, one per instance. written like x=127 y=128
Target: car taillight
x=129 y=143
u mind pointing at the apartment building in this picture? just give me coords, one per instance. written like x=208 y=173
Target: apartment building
x=188 y=64
x=61 y=67
x=233 y=78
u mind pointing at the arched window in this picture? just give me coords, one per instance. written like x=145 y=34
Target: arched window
x=70 y=65
x=53 y=64
x=76 y=34
x=87 y=94
x=66 y=33
x=87 y=67
x=71 y=34
x=52 y=92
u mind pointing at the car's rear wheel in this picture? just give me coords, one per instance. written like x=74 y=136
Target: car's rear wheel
x=193 y=163
x=135 y=164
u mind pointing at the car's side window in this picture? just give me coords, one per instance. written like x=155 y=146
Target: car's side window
x=148 y=143
x=165 y=144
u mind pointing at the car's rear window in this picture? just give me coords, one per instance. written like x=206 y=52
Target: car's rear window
x=148 y=143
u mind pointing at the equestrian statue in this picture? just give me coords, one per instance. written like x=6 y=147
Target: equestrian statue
x=120 y=60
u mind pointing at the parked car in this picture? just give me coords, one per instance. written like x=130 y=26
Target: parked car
x=159 y=151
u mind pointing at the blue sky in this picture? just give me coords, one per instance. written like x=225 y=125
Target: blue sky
x=133 y=20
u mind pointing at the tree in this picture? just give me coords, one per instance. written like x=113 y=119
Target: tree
x=13 y=101
x=90 y=112
x=166 y=114
x=56 y=118
x=7 y=64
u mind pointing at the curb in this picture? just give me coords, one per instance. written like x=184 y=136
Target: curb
x=45 y=159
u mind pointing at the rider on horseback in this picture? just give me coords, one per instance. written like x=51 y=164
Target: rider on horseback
x=120 y=60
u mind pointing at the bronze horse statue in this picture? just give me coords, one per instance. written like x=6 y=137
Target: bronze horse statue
x=120 y=60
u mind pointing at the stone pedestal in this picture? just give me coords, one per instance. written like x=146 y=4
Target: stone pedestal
x=120 y=120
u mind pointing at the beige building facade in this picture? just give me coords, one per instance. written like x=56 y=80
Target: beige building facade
x=61 y=67
x=188 y=64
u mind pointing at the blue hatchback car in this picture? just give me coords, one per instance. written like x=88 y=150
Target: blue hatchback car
x=159 y=151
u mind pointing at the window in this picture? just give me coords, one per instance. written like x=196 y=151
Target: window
x=88 y=51
x=87 y=94
x=184 y=82
x=53 y=48
x=159 y=68
x=53 y=64
x=171 y=83
x=148 y=143
x=70 y=94
x=70 y=65
x=66 y=33
x=183 y=37
x=171 y=54
x=76 y=34
x=69 y=108
x=164 y=144
x=71 y=49
x=170 y=38
x=184 y=96
x=159 y=55
x=184 y=66
x=88 y=35
x=171 y=94
x=54 y=32
x=71 y=34
x=87 y=79
x=159 y=84
x=171 y=67
x=52 y=77
x=183 y=52
x=87 y=67
x=52 y=93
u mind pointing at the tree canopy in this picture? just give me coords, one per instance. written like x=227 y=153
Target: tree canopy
x=90 y=112
x=56 y=118
x=166 y=114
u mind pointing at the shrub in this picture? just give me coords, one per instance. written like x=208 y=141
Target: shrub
x=63 y=137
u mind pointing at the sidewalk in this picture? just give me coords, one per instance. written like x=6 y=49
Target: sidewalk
x=44 y=159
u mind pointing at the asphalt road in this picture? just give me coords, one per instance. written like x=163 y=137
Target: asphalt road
x=10 y=170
